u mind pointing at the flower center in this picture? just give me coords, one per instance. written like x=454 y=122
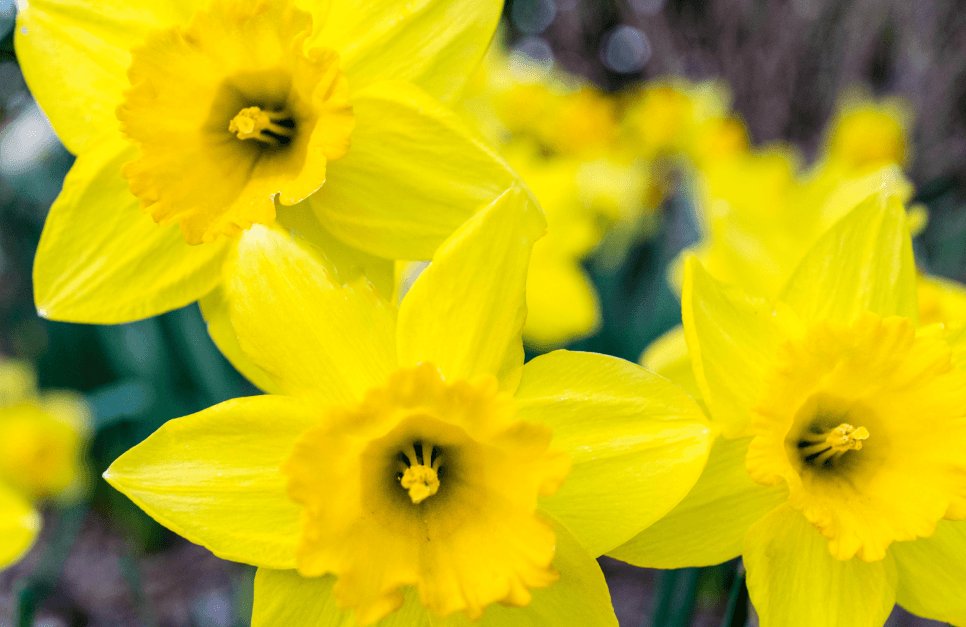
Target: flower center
x=426 y=483
x=236 y=70
x=272 y=129
x=419 y=478
x=848 y=422
x=820 y=447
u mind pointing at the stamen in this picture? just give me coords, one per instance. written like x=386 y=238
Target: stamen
x=276 y=129
x=420 y=479
x=830 y=445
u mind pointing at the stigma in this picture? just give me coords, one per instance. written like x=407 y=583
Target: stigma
x=826 y=446
x=418 y=475
x=275 y=129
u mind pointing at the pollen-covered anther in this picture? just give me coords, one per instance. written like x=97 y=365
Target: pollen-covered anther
x=419 y=478
x=833 y=444
x=275 y=129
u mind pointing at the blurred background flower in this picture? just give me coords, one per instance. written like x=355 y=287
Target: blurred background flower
x=638 y=124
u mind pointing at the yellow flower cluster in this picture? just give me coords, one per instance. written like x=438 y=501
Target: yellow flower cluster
x=275 y=160
x=41 y=442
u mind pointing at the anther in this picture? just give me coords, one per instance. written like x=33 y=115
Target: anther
x=275 y=129
x=830 y=445
x=415 y=476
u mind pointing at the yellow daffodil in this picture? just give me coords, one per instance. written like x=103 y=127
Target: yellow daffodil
x=841 y=476
x=941 y=301
x=867 y=134
x=760 y=214
x=761 y=218
x=666 y=116
x=413 y=463
x=40 y=455
x=193 y=120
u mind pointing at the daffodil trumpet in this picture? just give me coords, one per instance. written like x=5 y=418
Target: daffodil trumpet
x=412 y=466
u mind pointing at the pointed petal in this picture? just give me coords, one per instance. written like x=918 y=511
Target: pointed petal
x=580 y=597
x=931 y=573
x=19 y=525
x=638 y=443
x=348 y=263
x=217 y=314
x=863 y=263
x=732 y=341
x=74 y=55
x=414 y=174
x=708 y=527
x=465 y=312
x=668 y=356
x=794 y=581
x=309 y=334
x=102 y=260
x=435 y=44
x=213 y=478
x=284 y=597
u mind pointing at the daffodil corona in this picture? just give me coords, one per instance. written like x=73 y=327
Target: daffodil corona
x=194 y=120
x=430 y=484
x=841 y=478
x=230 y=112
x=412 y=463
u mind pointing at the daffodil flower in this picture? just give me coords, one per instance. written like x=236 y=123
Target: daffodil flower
x=41 y=439
x=841 y=476
x=413 y=466
x=193 y=120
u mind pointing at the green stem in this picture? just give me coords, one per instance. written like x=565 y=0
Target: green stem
x=736 y=614
x=677 y=591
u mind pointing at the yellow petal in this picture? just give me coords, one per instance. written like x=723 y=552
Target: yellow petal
x=709 y=525
x=101 y=260
x=213 y=478
x=309 y=334
x=19 y=525
x=955 y=336
x=435 y=44
x=732 y=340
x=931 y=573
x=217 y=313
x=74 y=54
x=284 y=597
x=414 y=174
x=465 y=312
x=668 y=356
x=794 y=581
x=561 y=300
x=348 y=263
x=863 y=263
x=638 y=443
x=941 y=300
x=580 y=598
